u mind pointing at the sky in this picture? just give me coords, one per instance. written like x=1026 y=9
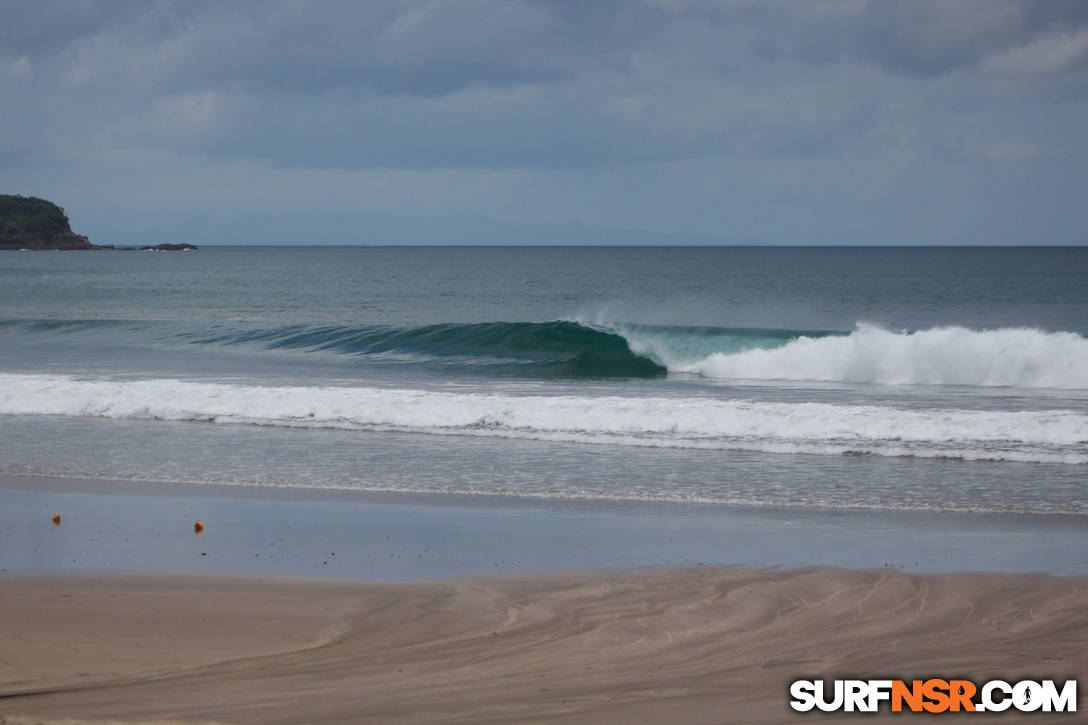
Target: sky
x=642 y=121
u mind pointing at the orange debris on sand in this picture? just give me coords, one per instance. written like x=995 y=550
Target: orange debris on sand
x=198 y=528
x=56 y=519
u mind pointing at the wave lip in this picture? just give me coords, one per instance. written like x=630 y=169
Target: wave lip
x=1007 y=357
x=1051 y=436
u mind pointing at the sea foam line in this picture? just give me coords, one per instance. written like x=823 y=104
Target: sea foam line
x=1053 y=436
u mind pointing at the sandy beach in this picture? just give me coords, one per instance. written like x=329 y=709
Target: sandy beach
x=673 y=645
x=296 y=607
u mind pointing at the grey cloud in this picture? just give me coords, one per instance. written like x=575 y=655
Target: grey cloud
x=933 y=37
x=383 y=46
x=606 y=120
x=45 y=28
x=613 y=90
x=911 y=37
x=435 y=47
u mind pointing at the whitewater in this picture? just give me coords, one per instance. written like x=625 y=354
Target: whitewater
x=1017 y=357
x=1052 y=436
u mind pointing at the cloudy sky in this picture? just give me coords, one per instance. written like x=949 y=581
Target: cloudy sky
x=827 y=121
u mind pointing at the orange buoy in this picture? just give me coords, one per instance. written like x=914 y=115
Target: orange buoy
x=56 y=519
x=198 y=528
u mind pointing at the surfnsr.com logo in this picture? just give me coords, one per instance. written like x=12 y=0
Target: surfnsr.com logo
x=933 y=696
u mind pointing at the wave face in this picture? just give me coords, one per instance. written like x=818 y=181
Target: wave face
x=1051 y=436
x=1014 y=357
x=561 y=349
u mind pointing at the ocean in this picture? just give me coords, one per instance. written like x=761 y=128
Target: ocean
x=893 y=379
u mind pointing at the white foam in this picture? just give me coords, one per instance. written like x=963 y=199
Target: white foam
x=1014 y=357
x=819 y=428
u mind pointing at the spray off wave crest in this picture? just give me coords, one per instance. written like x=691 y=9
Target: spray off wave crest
x=813 y=428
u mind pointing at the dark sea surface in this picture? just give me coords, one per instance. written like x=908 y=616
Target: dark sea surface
x=931 y=379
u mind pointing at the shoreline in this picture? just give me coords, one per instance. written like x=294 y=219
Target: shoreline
x=673 y=645
x=123 y=527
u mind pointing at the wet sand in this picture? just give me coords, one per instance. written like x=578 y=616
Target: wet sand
x=125 y=527
x=676 y=645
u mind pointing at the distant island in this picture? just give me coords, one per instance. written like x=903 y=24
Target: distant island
x=27 y=222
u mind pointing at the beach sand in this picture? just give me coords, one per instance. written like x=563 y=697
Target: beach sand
x=672 y=645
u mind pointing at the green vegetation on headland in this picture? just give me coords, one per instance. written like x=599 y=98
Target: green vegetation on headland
x=27 y=222
x=33 y=223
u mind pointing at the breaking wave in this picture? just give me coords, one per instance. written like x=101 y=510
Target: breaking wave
x=1006 y=357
